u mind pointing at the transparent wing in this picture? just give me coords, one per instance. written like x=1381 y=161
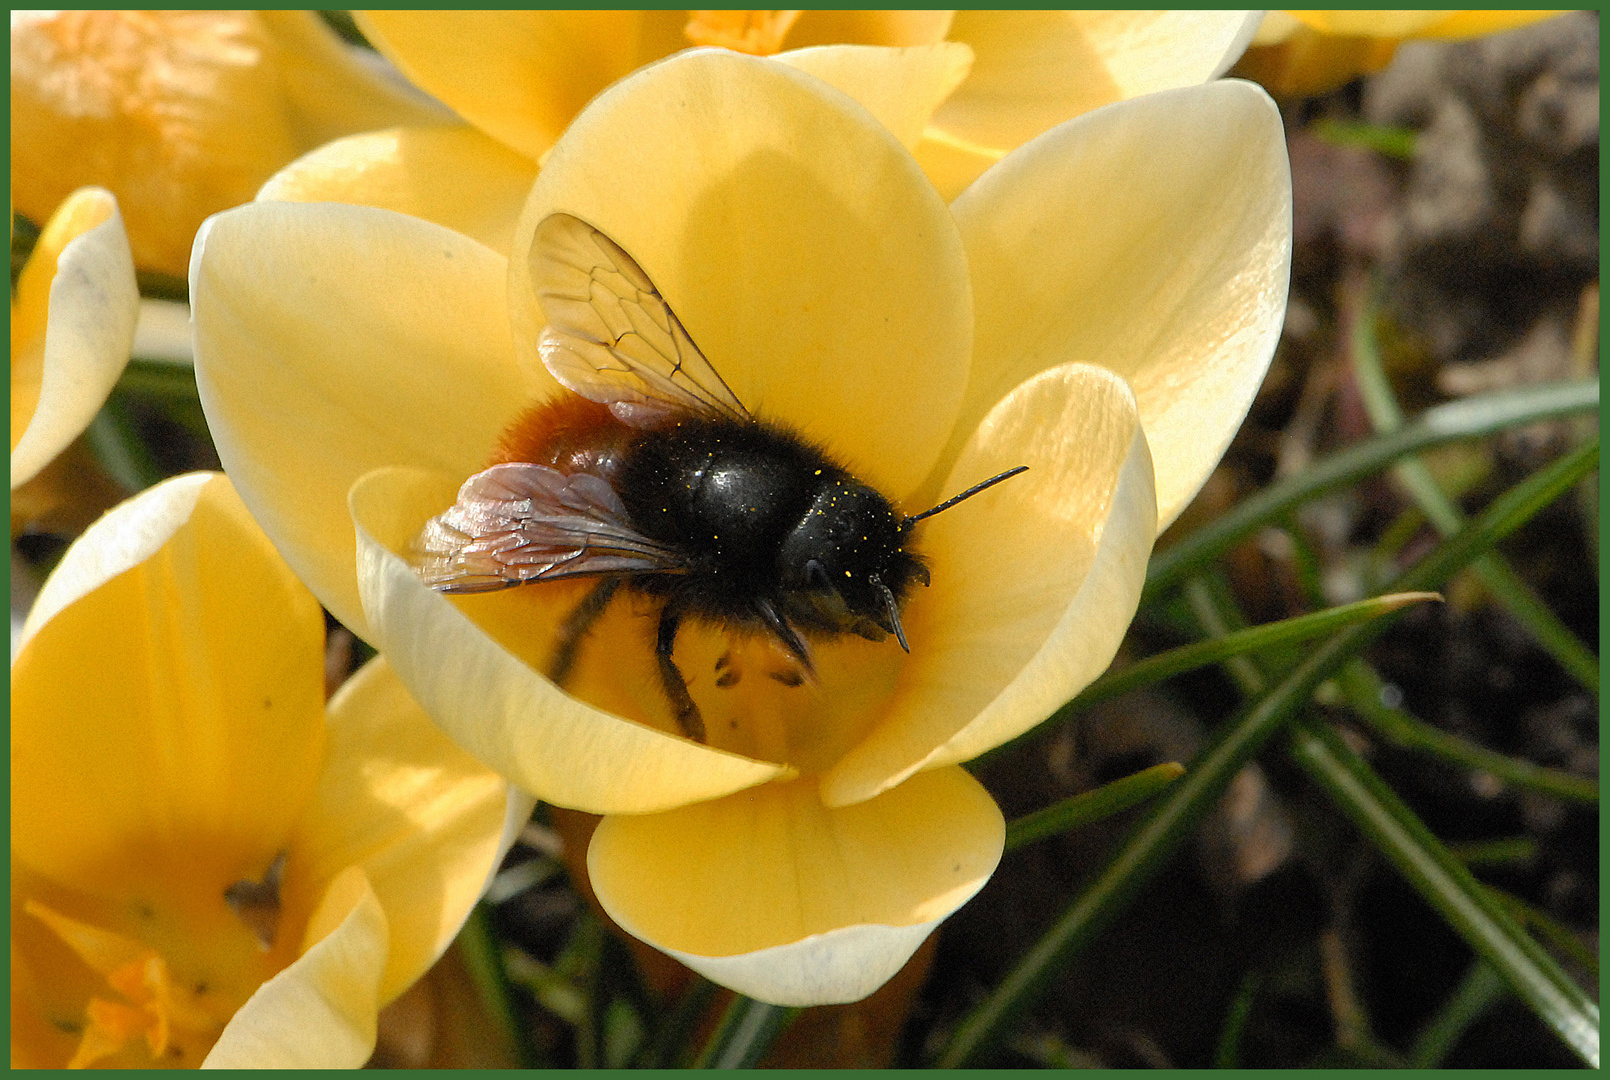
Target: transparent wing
x=520 y=522
x=611 y=336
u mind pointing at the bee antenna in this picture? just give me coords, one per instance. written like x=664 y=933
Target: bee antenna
x=894 y=611
x=968 y=494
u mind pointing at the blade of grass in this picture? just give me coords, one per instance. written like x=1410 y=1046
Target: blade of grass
x=118 y=448
x=1504 y=585
x=1227 y=1055
x=1480 y=990
x=667 y=1051
x=1089 y=806
x=1463 y=419
x=1165 y=665
x=1559 y=936
x=1361 y=688
x=1285 y=632
x=1506 y=851
x=1448 y=886
x=483 y=960
x=1181 y=807
x=1395 y=142
x=748 y=1030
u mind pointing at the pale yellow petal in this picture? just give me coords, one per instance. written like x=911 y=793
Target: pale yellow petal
x=1277 y=26
x=1034 y=581
x=1308 y=61
x=330 y=88
x=168 y=712
x=76 y=308
x=454 y=176
x=803 y=250
x=1390 y=24
x=520 y=76
x=1175 y=278
x=901 y=87
x=331 y=340
x=774 y=895
x=1457 y=25
x=868 y=28
x=951 y=163
x=318 y=1013
x=1035 y=69
x=421 y=817
x=497 y=707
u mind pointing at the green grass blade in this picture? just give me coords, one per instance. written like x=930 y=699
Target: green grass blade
x=1230 y=645
x=1449 y=887
x=1166 y=665
x=118 y=449
x=1557 y=935
x=1395 y=142
x=1495 y=574
x=478 y=943
x=1178 y=810
x=1463 y=419
x=1227 y=1055
x=1089 y=806
x=1361 y=687
x=748 y=1030
x=1480 y=991
x=1503 y=852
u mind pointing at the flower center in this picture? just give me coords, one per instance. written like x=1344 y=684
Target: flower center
x=759 y=33
x=169 y=978
x=750 y=693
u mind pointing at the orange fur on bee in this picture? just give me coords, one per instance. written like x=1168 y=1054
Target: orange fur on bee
x=568 y=433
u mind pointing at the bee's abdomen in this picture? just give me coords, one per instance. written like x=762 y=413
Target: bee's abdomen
x=568 y=433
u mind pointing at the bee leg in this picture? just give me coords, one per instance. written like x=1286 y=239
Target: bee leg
x=676 y=687
x=575 y=627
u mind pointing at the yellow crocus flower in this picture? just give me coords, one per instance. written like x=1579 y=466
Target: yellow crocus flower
x=960 y=89
x=1089 y=307
x=1309 y=52
x=181 y=113
x=206 y=862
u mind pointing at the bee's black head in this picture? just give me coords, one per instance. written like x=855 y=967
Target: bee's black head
x=846 y=562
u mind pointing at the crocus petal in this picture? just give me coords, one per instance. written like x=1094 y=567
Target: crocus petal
x=952 y=163
x=1406 y=24
x=774 y=895
x=423 y=818
x=1035 y=69
x=901 y=87
x=1175 y=278
x=796 y=239
x=520 y=76
x=332 y=340
x=497 y=707
x=331 y=90
x=74 y=321
x=868 y=28
x=320 y=1012
x=1456 y=25
x=178 y=113
x=1034 y=581
x=454 y=176
x=154 y=592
